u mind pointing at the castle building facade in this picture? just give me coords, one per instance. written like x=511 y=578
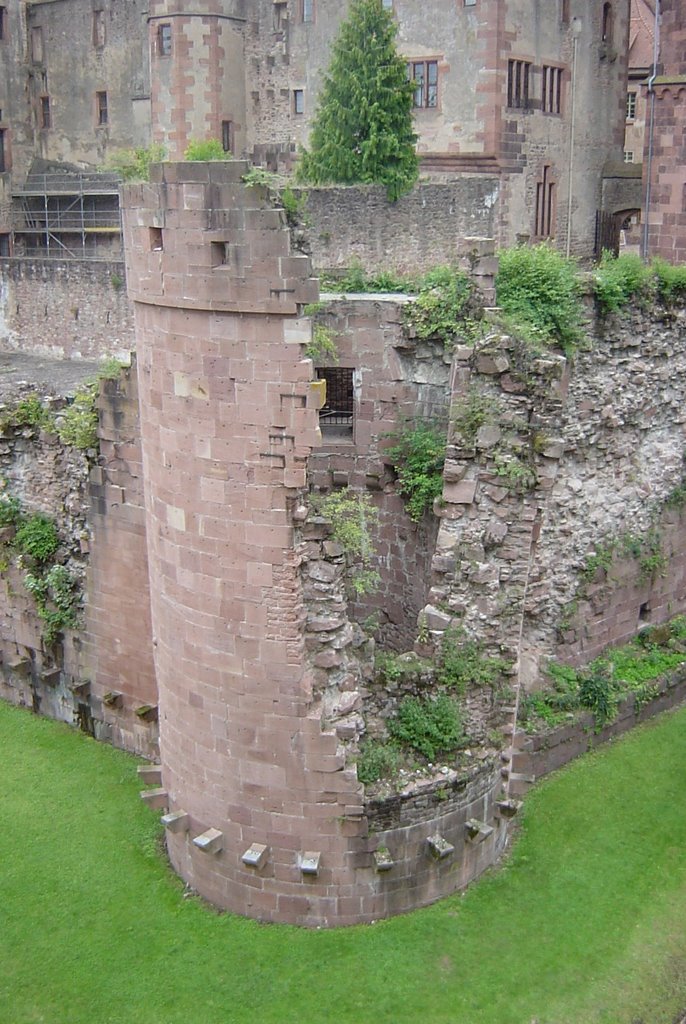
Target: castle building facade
x=531 y=92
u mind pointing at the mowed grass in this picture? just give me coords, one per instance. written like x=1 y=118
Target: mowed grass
x=586 y=923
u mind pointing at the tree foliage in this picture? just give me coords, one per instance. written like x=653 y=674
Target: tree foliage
x=362 y=131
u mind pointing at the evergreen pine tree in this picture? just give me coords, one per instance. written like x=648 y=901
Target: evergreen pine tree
x=362 y=130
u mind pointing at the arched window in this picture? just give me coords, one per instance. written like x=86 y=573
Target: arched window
x=608 y=23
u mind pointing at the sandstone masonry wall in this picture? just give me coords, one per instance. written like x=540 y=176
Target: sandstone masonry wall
x=66 y=309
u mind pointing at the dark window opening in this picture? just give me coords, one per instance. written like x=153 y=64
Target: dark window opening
x=156 y=239
x=424 y=76
x=164 y=40
x=279 y=17
x=101 y=108
x=564 y=11
x=307 y=10
x=551 y=90
x=608 y=24
x=3 y=158
x=298 y=101
x=518 y=79
x=218 y=253
x=227 y=136
x=45 y=121
x=4 y=244
x=3 y=23
x=545 y=203
x=336 y=416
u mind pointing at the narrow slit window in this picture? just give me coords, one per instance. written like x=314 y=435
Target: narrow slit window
x=298 y=101
x=164 y=39
x=156 y=240
x=518 y=81
x=3 y=22
x=45 y=115
x=101 y=111
x=551 y=91
x=98 y=29
x=545 y=205
x=227 y=136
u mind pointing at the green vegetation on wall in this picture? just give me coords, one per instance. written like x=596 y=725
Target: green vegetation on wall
x=418 y=456
x=538 y=290
x=134 y=164
x=205 y=150
x=352 y=516
x=362 y=128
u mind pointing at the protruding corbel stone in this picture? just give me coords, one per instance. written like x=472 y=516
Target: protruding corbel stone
x=176 y=821
x=438 y=847
x=113 y=699
x=51 y=676
x=155 y=797
x=382 y=859
x=20 y=663
x=150 y=773
x=477 y=830
x=148 y=712
x=80 y=687
x=309 y=862
x=508 y=808
x=256 y=855
x=211 y=841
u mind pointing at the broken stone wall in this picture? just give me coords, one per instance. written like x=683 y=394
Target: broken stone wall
x=66 y=309
x=396 y=381
x=98 y=674
x=564 y=458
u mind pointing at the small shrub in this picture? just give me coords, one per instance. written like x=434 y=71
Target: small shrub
x=10 y=511
x=430 y=726
x=617 y=279
x=78 y=423
x=205 y=150
x=386 y=665
x=117 y=282
x=258 y=177
x=109 y=369
x=27 y=412
x=462 y=665
x=537 y=287
x=322 y=348
x=418 y=458
x=37 y=538
x=597 y=693
x=471 y=412
x=443 y=307
x=670 y=280
x=377 y=761
x=514 y=472
x=134 y=164
x=351 y=516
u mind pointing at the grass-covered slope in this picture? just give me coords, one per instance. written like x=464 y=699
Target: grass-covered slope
x=586 y=922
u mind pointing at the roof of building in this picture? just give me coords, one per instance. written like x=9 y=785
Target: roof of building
x=641 y=33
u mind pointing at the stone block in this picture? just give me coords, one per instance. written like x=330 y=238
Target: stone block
x=210 y=841
x=435 y=619
x=176 y=821
x=256 y=855
x=477 y=830
x=157 y=798
x=508 y=808
x=113 y=699
x=150 y=774
x=438 y=847
x=383 y=860
x=309 y=862
x=461 y=493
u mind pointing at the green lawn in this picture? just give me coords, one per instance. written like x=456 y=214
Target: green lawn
x=586 y=923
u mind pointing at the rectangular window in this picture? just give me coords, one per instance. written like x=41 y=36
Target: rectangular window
x=545 y=206
x=518 y=79
x=564 y=11
x=630 y=106
x=388 y=4
x=424 y=76
x=307 y=10
x=45 y=121
x=551 y=89
x=4 y=244
x=98 y=29
x=164 y=40
x=470 y=3
x=227 y=136
x=37 y=45
x=3 y=157
x=298 y=101
x=628 y=156
x=3 y=22
x=101 y=112
x=279 y=17
x=336 y=416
